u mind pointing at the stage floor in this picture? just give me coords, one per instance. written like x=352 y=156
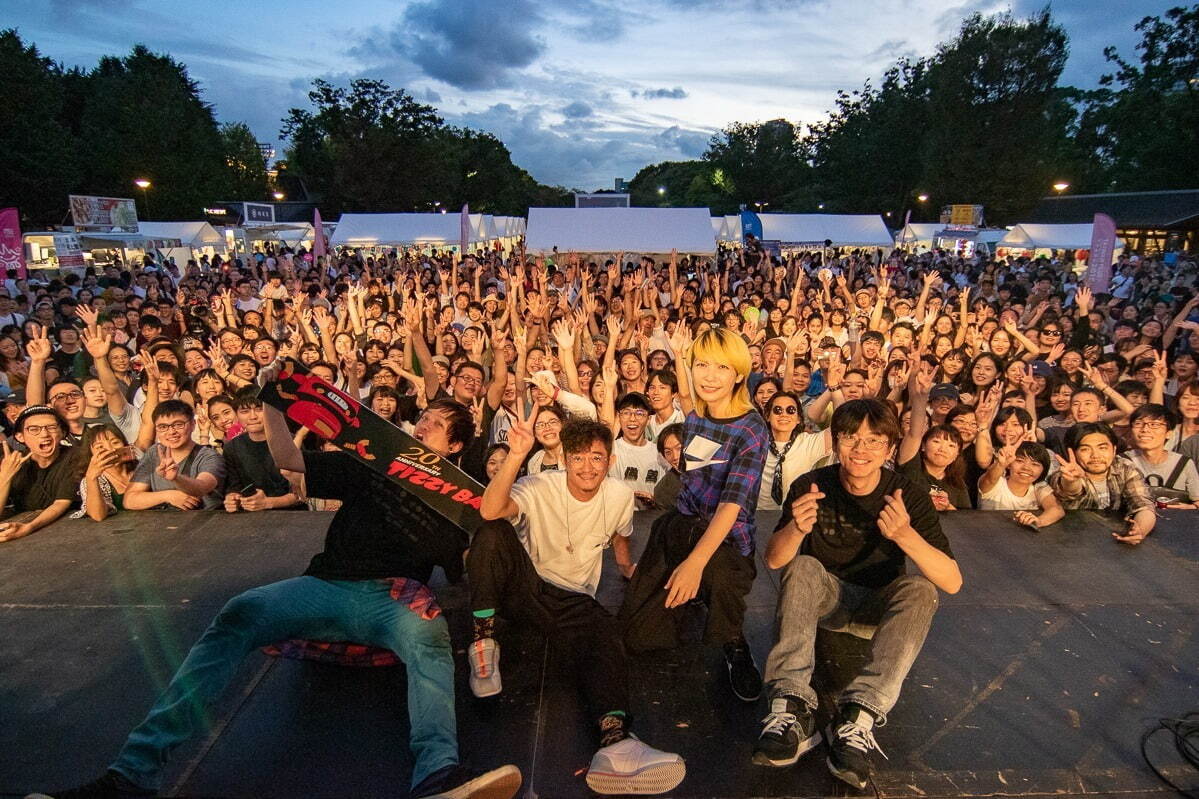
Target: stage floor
x=1038 y=678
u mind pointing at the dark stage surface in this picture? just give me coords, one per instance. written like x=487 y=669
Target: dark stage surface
x=1037 y=679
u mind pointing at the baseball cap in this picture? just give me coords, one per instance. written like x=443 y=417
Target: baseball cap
x=943 y=390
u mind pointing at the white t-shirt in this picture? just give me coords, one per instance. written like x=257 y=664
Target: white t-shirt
x=1000 y=497
x=640 y=468
x=801 y=458
x=565 y=538
x=655 y=427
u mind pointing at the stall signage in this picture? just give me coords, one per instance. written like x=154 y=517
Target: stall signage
x=258 y=212
x=68 y=250
x=104 y=214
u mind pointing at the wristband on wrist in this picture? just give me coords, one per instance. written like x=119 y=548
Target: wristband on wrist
x=833 y=388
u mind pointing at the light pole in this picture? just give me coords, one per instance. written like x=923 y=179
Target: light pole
x=760 y=206
x=144 y=185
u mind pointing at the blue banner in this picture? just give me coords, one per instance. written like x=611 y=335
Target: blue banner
x=751 y=225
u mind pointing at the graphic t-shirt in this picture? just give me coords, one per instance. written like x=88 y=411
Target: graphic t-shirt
x=846 y=538
x=724 y=460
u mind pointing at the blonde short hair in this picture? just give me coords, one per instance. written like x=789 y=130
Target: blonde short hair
x=721 y=345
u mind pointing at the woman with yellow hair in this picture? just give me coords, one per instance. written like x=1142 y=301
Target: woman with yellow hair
x=704 y=547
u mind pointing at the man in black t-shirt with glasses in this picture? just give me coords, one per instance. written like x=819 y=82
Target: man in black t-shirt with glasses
x=43 y=483
x=368 y=586
x=842 y=541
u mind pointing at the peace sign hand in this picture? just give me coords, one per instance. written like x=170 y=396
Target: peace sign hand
x=167 y=467
x=520 y=436
x=1070 y=470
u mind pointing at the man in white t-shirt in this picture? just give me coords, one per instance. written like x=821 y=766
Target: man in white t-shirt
x=636 y=461
x=537 y=560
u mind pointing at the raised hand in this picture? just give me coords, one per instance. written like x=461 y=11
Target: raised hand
x=1069 y=468
x=1161 y=371
x=804 y=509
x=894 y=522
x=563 y=335
x=167 y=468
x=103 y=457
x=97 y=344
x=1083 y=298
x=39 y=347
x=520 y=435
x=89 y=315
x=11 y=463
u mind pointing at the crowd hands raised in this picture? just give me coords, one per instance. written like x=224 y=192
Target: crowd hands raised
x=845 y=391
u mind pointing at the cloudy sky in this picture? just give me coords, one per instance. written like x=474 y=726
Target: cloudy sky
x=581 y=91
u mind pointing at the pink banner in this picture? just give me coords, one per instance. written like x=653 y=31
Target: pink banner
x=12 y=249
x=1103 y=246
x=318 y=234
x=464 y=229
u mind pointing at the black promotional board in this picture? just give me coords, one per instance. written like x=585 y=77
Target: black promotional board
x=339 y=418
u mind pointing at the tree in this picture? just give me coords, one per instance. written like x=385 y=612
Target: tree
x=763 y=161
x=144 y=117
x=40 y=166
x=1143 y=124
x=245 y=168
x=369 y=147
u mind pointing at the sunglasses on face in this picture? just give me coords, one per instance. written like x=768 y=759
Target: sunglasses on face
x=779 y=410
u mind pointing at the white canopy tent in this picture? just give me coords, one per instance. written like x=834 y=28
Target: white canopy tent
x=732 y=228
x=919 y=234
x=813 y=230
x=400 y=230
x=633 y=230
x=195 y=239
x=1028 y=236
x=718 y=227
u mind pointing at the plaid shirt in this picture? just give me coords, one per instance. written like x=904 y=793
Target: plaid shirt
x=1126 y=488
x=723 y=463
x=415 y=595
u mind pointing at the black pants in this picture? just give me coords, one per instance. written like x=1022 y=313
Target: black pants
x=729 y=575
x=502 y=577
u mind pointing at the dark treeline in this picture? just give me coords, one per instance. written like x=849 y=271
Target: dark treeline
x=983 y=120
x=365 y=148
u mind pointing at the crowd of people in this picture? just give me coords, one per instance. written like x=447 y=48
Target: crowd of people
x=860 y=394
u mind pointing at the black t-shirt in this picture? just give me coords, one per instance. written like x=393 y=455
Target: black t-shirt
x=249 y=463
x=846 y=538
x=380 y=530
x=34 y=488
x=914 y=470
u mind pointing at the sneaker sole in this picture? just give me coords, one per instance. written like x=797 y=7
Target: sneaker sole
x=848 y=777
x=763 y=759
x=649 y=780
x=501 y=783
x=483 y=693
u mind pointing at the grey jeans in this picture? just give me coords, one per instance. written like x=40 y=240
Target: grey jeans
x=895 y=618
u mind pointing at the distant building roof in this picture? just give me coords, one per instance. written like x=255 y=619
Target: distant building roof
x=1138 y=209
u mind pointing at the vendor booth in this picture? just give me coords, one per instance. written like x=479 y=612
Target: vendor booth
x=614 y=230
x=440 y=231
x=816 y=231
x=196 y=239
x=1034 y=241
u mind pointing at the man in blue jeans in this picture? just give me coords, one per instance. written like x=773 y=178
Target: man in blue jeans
x=843 y=539
x=367 y=586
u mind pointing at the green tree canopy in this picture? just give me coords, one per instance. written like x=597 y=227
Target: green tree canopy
x=245 y=168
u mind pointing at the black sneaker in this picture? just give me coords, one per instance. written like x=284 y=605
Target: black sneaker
x=744 y=677
x=455 y=782
x=111 y=786
x=851 y=738
x=787 y=733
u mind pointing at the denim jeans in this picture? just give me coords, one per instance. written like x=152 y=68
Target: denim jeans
x=304 y=607
x=895 y=618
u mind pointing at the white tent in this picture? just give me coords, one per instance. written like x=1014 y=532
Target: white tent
x=1026 y=236
x=398 y=230
x=718 y=227
x=921 y=233
x=732 y=227
x=843 y=230
x=196 y=235
x=633 y=230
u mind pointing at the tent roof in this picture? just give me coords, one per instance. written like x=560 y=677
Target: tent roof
x=128 y=241
x=732 y=227
x=918 y=231
x=1031 y=236
x=718 y=226
x=389 y=230
x=191 y=234
x=1161 y=209
x=604 y=230
x=843 y=230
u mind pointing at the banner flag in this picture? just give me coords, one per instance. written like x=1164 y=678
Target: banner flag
x=318 y=234
x=464 y=230
x=1103 y=246
x=751 y=225
x=338 y=418
x=12 y=248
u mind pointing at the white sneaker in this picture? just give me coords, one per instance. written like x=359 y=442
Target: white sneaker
x=484 y=656
x=632 y=767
